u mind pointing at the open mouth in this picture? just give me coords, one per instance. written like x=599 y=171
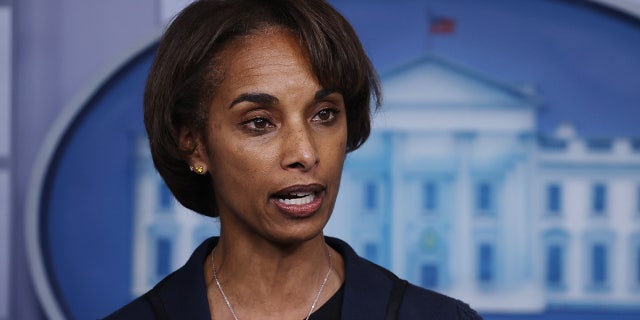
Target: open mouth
x=297 y=198
x=299 y=201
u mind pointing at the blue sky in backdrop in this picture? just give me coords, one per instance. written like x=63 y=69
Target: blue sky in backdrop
x=582 y=60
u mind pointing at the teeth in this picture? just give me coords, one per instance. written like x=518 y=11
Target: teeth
x=305 y=198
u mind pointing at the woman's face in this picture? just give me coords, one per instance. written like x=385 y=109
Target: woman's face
x=276 y=141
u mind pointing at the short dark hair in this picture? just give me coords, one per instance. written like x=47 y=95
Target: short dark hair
x=184 y=77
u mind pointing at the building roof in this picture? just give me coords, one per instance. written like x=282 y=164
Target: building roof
x=433 y=81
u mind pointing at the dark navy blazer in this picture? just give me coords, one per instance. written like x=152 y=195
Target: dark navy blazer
x=366 y=292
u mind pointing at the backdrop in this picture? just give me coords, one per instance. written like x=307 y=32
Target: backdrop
x=503 y=169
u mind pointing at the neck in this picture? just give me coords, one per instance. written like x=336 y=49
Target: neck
x=268 y=263
x=262 y=278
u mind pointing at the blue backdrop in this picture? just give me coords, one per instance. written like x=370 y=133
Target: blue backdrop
x=580 y=60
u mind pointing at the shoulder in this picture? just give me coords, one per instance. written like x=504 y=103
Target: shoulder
x=420 y=303
x=137 y=309
x=370 y=290
x=150 y=305
x=180 y=295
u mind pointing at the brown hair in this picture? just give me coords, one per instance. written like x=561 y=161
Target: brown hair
x=183 y=77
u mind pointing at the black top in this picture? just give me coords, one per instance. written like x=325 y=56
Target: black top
x=330 y=310
x=366 y=293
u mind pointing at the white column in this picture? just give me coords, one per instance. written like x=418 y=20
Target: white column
x=462 y=244
x=144 y=200
x=399 y=241
x=5 y=153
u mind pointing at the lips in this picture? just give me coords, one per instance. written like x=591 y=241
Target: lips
x=299 y=201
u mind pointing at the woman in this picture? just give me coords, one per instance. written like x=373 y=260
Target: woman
x=251 y=107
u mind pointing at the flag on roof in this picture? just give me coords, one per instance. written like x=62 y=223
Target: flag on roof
x=441 y=25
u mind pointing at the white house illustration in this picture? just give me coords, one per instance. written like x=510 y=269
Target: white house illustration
x=456 y=191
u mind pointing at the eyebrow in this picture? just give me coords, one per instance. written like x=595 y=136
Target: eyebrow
x=267 y=99
x=261 y=98
x=323 y=93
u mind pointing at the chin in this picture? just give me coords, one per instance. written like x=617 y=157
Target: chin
x=296 y=237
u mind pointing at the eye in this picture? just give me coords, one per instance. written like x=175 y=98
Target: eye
x=325 y=115
x=258 y=124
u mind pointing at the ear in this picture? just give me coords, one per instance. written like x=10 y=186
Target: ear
x=192 y=145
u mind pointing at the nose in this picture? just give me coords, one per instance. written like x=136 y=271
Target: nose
x=299 y=150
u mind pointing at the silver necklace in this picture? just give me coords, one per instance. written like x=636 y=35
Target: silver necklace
x=313 y=305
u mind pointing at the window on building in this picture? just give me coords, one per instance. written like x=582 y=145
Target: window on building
x=554 y=199
x=165 y=198
x=555 y=266
x=371 y=196
x=599 y=145
x=371 y=251
x=486 y=263
x=634 y=257
x=599 y=260
x=552 y=144
x=429 y=275
x=635 y=145
x=430 y=197
x=599 y=199
x=484 y=197
x=164 y=252
x=555 y=258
